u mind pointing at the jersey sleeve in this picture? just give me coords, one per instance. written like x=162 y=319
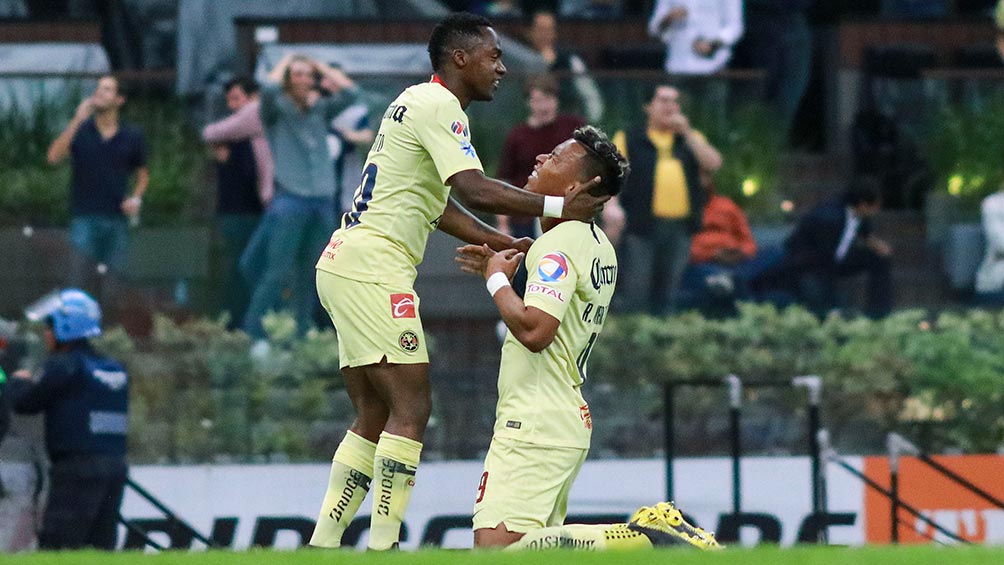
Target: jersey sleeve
x=447 y=138
x=551 y=278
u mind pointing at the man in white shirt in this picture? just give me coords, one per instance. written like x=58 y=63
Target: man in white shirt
x=699 y=34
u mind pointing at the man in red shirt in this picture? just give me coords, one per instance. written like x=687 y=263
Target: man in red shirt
x=543 y=130
x=722 y=254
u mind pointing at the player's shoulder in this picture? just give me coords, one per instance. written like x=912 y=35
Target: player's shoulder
x=571 y=238
x=428 y=95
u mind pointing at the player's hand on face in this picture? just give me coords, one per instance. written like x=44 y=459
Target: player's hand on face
x=473 y=259
x=505 y=261
x=580 y=205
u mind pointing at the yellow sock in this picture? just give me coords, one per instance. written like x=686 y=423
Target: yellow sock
x=348 y=484
x=588 y=537
x=394 y=473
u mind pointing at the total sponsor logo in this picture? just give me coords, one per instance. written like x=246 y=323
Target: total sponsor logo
x=553 y=267
x=536 y=288
x=402 y=305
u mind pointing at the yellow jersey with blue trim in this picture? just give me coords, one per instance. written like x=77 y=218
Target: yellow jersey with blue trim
x=423 y=140
x=571 y=275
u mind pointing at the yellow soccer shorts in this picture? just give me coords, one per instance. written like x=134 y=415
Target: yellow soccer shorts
x=373 y=321
x=525 y=485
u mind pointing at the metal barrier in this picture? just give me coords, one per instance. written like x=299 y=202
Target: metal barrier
x=811 y=383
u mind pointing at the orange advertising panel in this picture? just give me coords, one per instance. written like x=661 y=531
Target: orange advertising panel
x=938 y=498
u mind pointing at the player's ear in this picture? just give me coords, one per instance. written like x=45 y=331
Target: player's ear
x=459 y=57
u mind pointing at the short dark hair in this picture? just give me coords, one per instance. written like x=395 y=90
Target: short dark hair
x=863 y=190
x=602 y=160
x=245 y=83
x=458 y=30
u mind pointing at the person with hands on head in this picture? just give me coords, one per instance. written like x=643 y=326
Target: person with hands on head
x=543 y=424
x=104 y=152
x=421 y=167
x=301 y=213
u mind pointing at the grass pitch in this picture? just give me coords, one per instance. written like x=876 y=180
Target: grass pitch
x=915 y=555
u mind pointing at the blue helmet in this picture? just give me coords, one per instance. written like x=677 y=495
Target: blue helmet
x=74 y=314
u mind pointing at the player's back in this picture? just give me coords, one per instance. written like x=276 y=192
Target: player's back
x=572 y=272
x=423 y=140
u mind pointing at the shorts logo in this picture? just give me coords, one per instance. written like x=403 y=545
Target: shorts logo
x=402 y=306
x=553 y=267
x=408 y=341
x=460 y=129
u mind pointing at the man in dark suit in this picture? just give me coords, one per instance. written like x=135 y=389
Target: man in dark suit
x=834 y=241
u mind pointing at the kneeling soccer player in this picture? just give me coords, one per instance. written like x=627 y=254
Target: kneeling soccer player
x=543 y=426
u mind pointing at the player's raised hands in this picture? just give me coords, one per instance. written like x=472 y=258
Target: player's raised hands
x=580 y=204
x=484 y=261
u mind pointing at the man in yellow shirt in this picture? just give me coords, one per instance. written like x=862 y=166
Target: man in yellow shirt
x=662 y=201
x=365 y=276
x=542 y=424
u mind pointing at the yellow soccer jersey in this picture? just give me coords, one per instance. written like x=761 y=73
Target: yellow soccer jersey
x=572 y=270
x=424 y=139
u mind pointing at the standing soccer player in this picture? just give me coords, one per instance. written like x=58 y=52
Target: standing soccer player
x=543 y=425
x=366 y=274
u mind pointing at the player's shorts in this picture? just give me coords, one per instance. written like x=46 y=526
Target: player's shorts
x=373 y=321
x=526 y=485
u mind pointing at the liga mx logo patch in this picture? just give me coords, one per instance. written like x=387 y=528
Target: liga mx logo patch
x=460 y=129
x=408 y=341
x=553 y=267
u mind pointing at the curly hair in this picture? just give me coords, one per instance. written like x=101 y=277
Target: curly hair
x=458 y=30
x=604 y=160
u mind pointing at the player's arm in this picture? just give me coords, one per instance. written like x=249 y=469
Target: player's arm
x=465 y=226
x=479 y=192
x=532 y=327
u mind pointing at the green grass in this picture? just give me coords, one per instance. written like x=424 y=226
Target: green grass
x=765 y=556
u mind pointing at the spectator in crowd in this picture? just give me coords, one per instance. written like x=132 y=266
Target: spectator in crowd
x=104 y=152
x=990 y=275
x=301 y=215
x=662 y=202
x=85 y=399
x=833 y=241
x=592 y=9
x=999 y=23
x=722 y=255
x=699 y=34
x=349 y=138
x=543 y=130
x=243 y=185
x=543 y=36
x=497 y=8
x=779 y=41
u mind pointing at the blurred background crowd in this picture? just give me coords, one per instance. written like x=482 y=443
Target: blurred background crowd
x=839 y=155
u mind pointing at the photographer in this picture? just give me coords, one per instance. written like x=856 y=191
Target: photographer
x=85 y=399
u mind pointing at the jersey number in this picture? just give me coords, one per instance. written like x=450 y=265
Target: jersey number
x=363 y=195
x=583 y=358
x=481 y=487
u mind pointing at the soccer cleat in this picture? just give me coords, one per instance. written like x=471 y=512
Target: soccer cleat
x=664 y=525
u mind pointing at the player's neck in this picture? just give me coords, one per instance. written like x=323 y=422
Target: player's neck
x=546 y=224
x=455 y=86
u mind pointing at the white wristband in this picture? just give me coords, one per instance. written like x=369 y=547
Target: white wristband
x=496 y=282
x=553 y=206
